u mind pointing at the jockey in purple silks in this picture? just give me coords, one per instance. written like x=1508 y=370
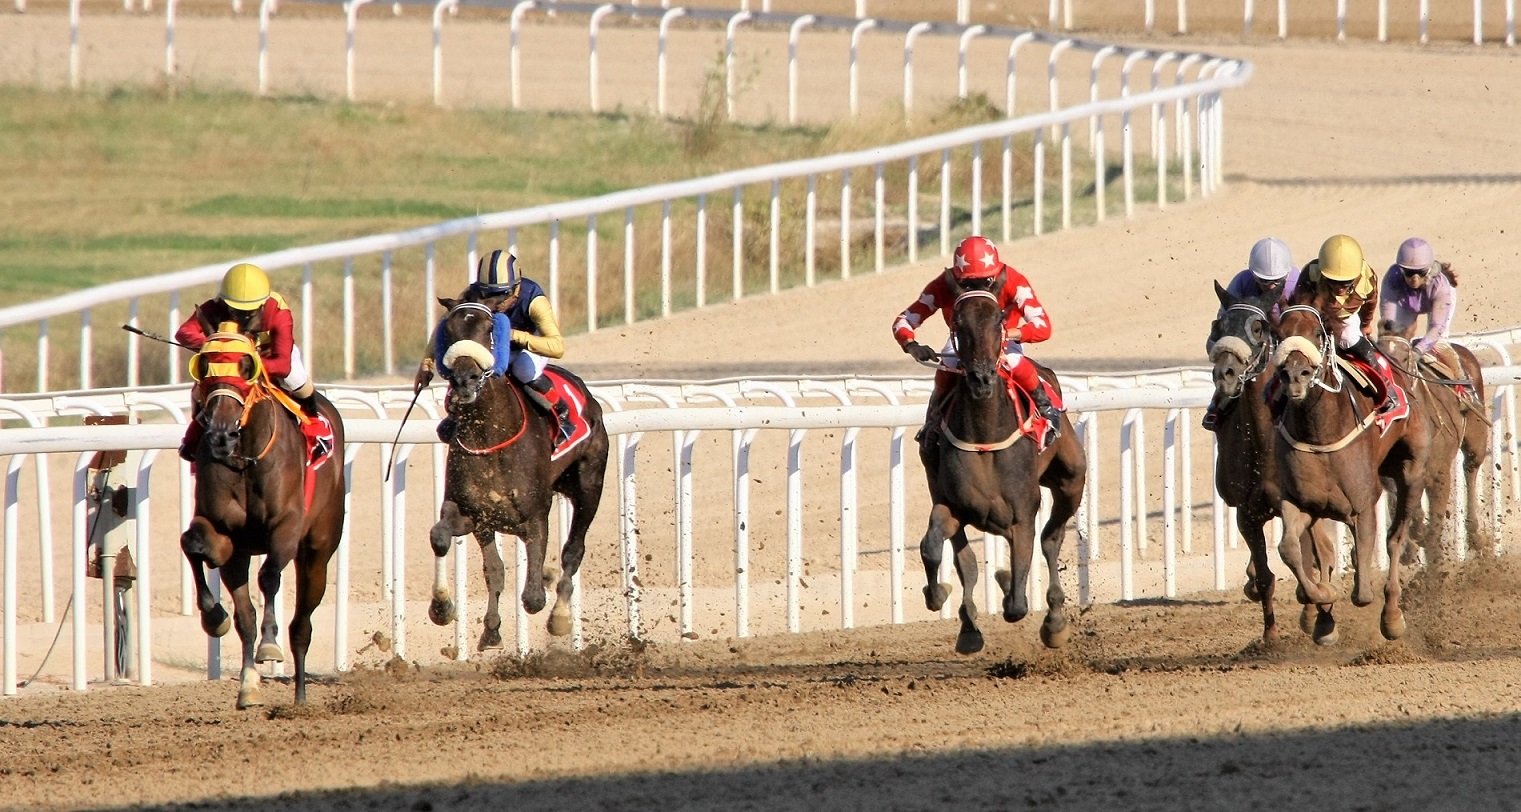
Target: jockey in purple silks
x=1416 y=283
x=1269 y=267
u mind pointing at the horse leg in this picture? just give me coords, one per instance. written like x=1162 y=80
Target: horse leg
x=496 y=581
x=583 y=511
x=969 y=639
x=450 y=523
x=1250 y=523
x=269 y=630
x=1319 y=542
x=1054 y=631
x=942 y=526
x=1391 y=622
x=235 y=578
x=311 y=584
x=1295 y=522
x=204 y=547
x=536 y=538
x=1021 y=537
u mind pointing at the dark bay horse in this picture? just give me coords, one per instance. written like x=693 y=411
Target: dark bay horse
x=998 y=490
x=1331 y=458
x=250 y=488
x=1456 y=422
x=499 y=475
x=1246 y=474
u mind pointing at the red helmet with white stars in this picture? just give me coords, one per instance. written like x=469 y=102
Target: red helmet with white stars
x=976 y=258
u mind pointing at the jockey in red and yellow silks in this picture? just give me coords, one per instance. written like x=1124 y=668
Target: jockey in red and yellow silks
x=977 y=266
x=245 y=298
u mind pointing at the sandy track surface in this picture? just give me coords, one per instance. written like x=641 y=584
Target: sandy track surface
x=1156 y=705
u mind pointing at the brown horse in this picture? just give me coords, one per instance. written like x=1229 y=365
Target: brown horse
x=500 y=477
x=1331 y=458
x=1456 y=422
x=250 y=499
x=1246 y=474
x=995 y=490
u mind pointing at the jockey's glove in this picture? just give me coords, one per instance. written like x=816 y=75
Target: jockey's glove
x=424 y=375
x=921 y=353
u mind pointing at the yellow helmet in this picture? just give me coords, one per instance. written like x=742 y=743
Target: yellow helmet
x=245 y=287
x=1341 y=259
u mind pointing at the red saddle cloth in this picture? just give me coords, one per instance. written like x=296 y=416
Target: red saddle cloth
x=565 y=391
x=1380 y=379
x=318 y=434
x=1032 y=423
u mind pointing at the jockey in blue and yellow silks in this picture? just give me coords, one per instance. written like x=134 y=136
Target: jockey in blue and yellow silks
x=526 y=336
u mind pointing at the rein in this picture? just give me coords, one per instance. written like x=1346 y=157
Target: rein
x=945 y=428
x=256 y=394
x=1327 y=352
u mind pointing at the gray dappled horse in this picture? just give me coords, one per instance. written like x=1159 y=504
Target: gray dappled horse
x=499 y=477
x=997 y=491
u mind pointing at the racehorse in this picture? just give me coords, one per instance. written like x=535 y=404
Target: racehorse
x=1246 y=473
x=1456 y=421
x=984 y=472
x=1331 y=458
x=503 y=469
x=256 y=495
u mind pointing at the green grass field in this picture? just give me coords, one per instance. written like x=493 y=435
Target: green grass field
x=98 y=187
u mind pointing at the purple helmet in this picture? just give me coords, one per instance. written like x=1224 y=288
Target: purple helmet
x=1415 y=254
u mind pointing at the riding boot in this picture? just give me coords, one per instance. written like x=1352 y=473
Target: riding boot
x=1364 y=351
x=538 y=391
x=317 y=429
x=1047 y=410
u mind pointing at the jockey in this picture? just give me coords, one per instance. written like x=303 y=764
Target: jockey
x=1342 y=280
x=245 y=293
x=529 y=321
x=1410 y=289
x=1269 y=268
x=977 y=267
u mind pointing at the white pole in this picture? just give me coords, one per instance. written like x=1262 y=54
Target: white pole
x=352 y=23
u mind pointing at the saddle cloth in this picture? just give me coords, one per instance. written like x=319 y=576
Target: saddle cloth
x=565 y=391
x=1031 y=423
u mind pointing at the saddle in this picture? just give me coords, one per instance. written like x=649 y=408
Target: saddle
x=1375 y=384
x=1032 y=423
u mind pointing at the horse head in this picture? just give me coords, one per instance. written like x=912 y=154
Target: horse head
x=227 y=369
x=1246 y=340
x=1305 y=349
x=467 y=336
x=978 y=326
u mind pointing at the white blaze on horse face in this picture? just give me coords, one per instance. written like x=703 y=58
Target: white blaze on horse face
x=473 y=350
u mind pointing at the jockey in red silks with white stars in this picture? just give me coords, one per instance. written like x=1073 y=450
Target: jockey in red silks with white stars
x=977 y=267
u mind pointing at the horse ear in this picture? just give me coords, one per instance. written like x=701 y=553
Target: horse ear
x=1222 y=294
x=447 y=303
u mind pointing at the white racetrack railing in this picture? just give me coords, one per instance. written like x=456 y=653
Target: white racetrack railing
x=1060 y=15
x=1197 y=122
x=1134 y=400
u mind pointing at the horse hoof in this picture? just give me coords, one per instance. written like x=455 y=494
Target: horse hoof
x=1004 y=579
x=1250 y=590
x=441 y=611
x=534 y=604
x=250 y=698
x=440 y=539
x=1014 y=607
x=935 y=595
x=269 y=653
x=1325 y=633
x=1055 y=636
x=1392 y=628
x=1307 y=619
x=490 y=639
x=216 y=622
x=559 y=623
x=1301 y=595
x=969 y=642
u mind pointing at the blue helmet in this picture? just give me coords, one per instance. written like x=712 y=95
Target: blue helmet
x=497 y=273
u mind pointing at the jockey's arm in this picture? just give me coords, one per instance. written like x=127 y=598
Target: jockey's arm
x=548 y=343
x=914 y=315
x=1444 y=305
x=282 y=339
x=1026 y=321
x=190 y=333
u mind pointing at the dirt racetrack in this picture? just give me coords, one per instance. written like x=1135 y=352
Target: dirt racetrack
x=1165 y=705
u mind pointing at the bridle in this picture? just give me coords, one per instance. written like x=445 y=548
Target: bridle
x=1323 y=355
x=226 y=379
x=1257 y=363
x=484 y=356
